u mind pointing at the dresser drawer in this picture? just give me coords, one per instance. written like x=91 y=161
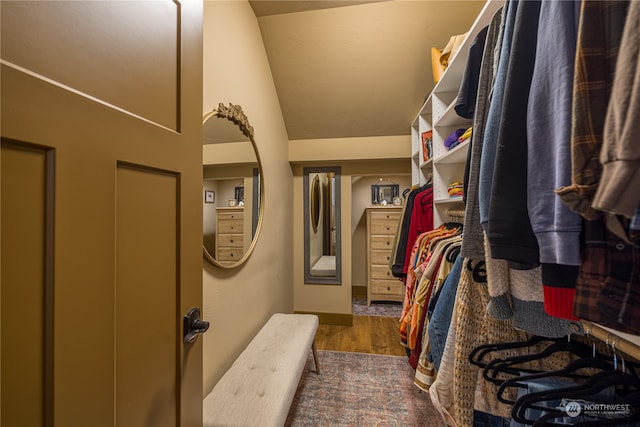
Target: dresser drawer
x=229 y=254
x=380 y=272
x=381 y=257
x=229 y=215
x=381 y=242
x=231 y=240
x=387 y=287
x=230 y=226
x=382 y=216
x=384 y=228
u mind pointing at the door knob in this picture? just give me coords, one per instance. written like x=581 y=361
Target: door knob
x=193 y=325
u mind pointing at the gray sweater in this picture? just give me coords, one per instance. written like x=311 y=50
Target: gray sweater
x=556 y=227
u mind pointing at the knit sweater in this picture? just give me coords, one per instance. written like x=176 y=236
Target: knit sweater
x=517 y=296
x=473 y=327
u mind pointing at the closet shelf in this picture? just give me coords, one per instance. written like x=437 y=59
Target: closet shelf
x=451 y=118
x=458 y=154
x=448 y=200
x=426 y=107
x=427 y=164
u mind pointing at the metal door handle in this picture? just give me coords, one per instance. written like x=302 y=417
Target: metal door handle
x=193 y=325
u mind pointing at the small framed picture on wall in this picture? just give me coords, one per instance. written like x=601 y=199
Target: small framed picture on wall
x=209 y=196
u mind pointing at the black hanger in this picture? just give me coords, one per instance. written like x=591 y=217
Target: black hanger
x=510 y=365
x=480 y=272
x=478 y=353
x=453 y=254
x=533 y=400
x=568 y=371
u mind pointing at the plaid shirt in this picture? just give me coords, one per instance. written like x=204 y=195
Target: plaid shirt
x=608 y=287
x=599 y=35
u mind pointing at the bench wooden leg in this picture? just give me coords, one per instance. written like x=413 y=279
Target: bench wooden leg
x=315 y=357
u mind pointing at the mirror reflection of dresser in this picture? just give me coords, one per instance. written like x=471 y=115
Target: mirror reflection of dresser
x=230 y=242
x=232 y=187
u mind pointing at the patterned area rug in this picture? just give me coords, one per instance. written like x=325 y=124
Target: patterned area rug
x=384 y=309
x=359 y=389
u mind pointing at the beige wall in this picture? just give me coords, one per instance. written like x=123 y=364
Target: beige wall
x=238 y=302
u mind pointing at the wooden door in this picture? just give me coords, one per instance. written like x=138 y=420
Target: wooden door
x=101 y=178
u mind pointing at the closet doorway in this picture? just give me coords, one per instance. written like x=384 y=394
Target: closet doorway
x=361 y=191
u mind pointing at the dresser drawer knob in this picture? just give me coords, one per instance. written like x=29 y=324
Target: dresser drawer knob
x=388 y=288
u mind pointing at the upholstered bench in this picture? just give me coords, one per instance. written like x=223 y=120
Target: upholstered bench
x=259 y=387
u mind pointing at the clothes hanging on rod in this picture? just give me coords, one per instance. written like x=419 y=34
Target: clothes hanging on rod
x=424 y=263
x=545 y=90
x=523 y=208
x=406 y=234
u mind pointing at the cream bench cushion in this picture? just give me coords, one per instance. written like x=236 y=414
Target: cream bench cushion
x=259 y=387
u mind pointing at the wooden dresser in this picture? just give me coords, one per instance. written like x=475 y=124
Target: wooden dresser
x=382 y=224
x=229 y=234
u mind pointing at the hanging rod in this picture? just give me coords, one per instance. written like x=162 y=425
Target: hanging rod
x=614 y=339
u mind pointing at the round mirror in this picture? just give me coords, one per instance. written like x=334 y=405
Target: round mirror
x=315 y=201
x=232 y=187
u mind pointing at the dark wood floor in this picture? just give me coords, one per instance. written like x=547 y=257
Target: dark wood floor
x=369 y=334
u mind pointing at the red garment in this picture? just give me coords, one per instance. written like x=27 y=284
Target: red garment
x=421 y=221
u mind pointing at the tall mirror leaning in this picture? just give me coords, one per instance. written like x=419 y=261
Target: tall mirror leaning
x=232 y=192
x=322 y=248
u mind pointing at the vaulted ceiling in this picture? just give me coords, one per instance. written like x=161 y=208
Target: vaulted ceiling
x=356 y=68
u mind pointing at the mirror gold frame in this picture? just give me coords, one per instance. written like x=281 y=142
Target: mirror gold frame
x=236 y=115
x=315 y=203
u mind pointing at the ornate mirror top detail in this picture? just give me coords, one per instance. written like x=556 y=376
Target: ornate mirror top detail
x=235 y=114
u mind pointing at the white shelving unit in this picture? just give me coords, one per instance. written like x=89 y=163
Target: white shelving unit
x=438 y=116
